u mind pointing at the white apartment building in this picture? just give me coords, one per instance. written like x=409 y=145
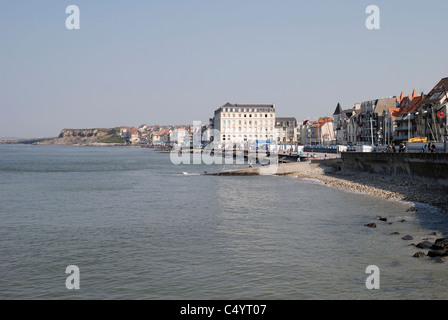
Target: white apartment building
x=244 y=124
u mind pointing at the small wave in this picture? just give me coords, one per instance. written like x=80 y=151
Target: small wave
x=190 y=174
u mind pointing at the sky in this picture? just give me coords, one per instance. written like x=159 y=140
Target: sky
x=174 y=62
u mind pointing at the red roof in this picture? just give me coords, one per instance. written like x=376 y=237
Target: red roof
x=394 y=112
x=407 y=104
x=321 y=122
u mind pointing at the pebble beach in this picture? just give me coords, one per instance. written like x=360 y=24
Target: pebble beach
x=390 y=187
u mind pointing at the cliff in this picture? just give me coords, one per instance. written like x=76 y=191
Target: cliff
x=86 y=136
x=97 y=136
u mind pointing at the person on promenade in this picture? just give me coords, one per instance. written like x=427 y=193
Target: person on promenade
x=393 y=148
x=433 y=148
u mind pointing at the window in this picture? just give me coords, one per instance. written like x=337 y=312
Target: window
x=435 y=96
x=266 y=115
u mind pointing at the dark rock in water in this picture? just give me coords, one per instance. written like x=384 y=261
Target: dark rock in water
x=437 y=260
x=424 y=245
x=371 y=225
x=433 y=234
x=440 y=244
x=419 y=254
x=437 y=253
x=403 y=220
x=407 y=237
x=396 y=232
x=442 y=241
x=382 y=218
x=412 y=209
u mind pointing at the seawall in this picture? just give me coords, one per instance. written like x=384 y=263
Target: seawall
x=433 y=166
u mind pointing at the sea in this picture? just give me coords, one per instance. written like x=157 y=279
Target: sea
x=83 y=222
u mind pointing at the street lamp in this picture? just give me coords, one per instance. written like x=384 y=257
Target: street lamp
x=409 y=126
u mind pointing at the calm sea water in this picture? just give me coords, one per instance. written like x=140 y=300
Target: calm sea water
x=138 y=228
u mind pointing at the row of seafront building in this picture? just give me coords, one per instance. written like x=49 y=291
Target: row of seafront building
x=374 y=122
x=394 y=119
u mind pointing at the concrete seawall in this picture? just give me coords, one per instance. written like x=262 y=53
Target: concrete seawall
x=432 y=166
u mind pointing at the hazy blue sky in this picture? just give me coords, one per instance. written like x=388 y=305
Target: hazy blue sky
x=173 y=62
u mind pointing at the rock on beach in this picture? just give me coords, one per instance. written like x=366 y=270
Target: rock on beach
x=424 y=245
x=419 y=254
